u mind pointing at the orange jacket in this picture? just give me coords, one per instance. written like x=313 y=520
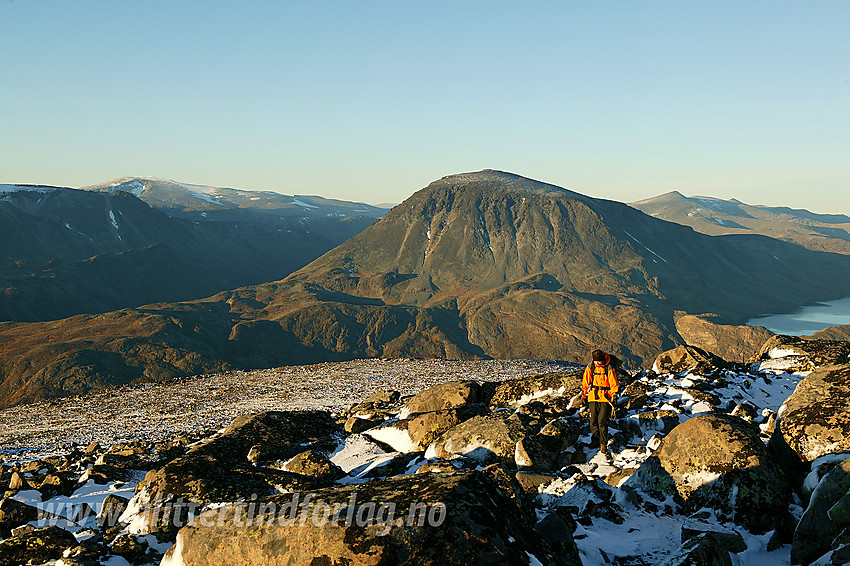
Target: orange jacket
x=600 y=383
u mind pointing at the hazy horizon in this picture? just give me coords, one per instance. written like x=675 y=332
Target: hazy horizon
x=373 y=102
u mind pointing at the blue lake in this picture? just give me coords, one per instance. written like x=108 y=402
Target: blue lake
x=807 y=320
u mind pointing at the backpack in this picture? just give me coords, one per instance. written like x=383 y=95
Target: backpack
x=617 y=364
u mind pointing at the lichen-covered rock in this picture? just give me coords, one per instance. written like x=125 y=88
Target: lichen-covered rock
x=734 y=343
x=417 y=432
x=718 y=461
x=840 y=512
x=485 y=438
x=792 y=353
x=703 y=550
x=636 y=395
x=61 y=483
x=614 y=479
x=567 y=429
x=112 y=508
x=102 y=474
x=815 y=420
x=687 y=358
x=746 y=411
x=816 y=530
x=131 y=548
x=421 y=520
x=35 y=547
x=555 y=531
x=531 y=482
x=17 y=481
x=355 y=424
x=139 y=456
x=313 y=464
x=219 y=470
x=14 y=513
x=437 y=468
x=165 y=497
x=661 y=420
x=443 y=396
x=538 y=452
x=375 y=407
x=515 y=392
x=282 y=434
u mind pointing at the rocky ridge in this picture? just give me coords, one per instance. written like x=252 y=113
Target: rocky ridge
x=510 y=460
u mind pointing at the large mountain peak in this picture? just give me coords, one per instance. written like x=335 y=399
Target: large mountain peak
x=474 y=231
x=495 y=181
x=485 y=264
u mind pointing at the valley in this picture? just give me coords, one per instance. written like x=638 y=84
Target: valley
x=484 y=265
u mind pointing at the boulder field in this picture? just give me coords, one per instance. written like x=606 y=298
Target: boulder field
x=709 y=460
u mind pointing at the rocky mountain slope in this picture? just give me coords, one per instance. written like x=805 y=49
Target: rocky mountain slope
x=709 y=463
x=477 y=265
x=713 y=216
x=65 y=251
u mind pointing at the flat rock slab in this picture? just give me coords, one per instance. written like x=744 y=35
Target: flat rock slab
x=459 y=518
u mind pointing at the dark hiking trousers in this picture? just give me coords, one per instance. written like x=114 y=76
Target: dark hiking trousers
x=599 y=415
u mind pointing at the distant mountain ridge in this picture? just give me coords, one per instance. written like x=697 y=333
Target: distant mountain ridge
x=477 y=265
x=714 y=216
x=193 y=201
x=66 y=251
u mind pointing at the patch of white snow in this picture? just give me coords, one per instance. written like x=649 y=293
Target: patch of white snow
x=298 y=202
x=398 y=438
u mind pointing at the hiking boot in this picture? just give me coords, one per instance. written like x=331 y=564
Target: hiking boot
x=603 y=448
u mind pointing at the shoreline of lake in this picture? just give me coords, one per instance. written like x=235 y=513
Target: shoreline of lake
x=808 y=319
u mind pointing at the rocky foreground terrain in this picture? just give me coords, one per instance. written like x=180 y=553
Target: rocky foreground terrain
x=432 y=462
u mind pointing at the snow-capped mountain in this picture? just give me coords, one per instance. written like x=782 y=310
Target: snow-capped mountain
x=66 y=251
x=188 y=200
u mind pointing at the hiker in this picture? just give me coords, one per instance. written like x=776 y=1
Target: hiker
x=600 y=386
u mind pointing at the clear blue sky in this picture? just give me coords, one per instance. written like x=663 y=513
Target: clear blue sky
x=372 y=101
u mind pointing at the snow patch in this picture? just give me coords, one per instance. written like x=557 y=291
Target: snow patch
x=570 y=492
x=116 y=560
x=778 y=364
x=358 y=451
x=134 y=186
x=645 y=246
x=24 y=188
x=540 y=394
x=298 y=202
x=174 y=556
x=206 y=198
x=813 y=479
x=776 y=353
x=112 y=219
x=398 y=438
